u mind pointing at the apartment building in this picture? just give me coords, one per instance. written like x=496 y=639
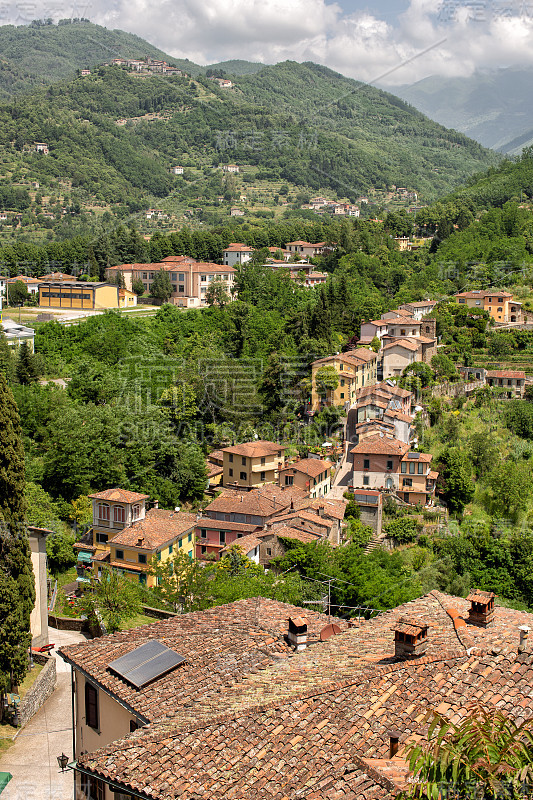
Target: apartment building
x=310 y=474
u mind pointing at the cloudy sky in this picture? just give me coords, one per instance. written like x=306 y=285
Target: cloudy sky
x=408 y=39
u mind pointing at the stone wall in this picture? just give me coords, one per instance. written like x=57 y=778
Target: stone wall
x=40 y=691
x=158 y=613
x=73 y=624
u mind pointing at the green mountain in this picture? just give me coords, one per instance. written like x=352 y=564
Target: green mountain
x=236 y=67
x=113 y=137
x=39 y=54
x=495 y=108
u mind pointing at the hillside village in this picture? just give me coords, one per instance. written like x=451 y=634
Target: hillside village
x=265 y=448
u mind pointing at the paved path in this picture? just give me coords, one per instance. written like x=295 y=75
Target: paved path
x=32 y=759
x=343 y=478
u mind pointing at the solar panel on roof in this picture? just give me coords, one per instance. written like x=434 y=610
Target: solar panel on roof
x=413 y=455
x=146 y=663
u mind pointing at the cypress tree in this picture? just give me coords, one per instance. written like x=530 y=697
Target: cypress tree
x=17 y=583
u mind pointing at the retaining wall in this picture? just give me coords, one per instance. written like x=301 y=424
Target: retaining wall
x=40 y=691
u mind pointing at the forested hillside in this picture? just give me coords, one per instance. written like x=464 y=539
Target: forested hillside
x=42 y=53
x=113 y=137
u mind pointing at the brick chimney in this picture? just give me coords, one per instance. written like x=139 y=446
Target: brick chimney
x=410 y=638
x=297 y=634
x=481 y=612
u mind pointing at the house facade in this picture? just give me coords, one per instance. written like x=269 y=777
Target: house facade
x=237 y=253
x=513 y=382
x=300 y=247
x=355 y=369
x=383 y=463
x=499 y=304
x=190 y=279
x=313 y=475
x=31 y=284
x=252 y=464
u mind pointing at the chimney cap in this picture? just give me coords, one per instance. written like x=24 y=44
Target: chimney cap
x=393 y=734
x=524 y=628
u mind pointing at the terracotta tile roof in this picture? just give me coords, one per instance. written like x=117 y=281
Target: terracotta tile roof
x=407 y=344
x=213 y=469
x=332 y=508
x=427 y=340
x=363 y=353
x=157 y=528
x=481 y=294
x=220 y=645
x=505 y=373
x=301 y=516
x=215 y=455
x=221 y=525
x=127 y=566
x=238 y=248
x=405 y=320
x=422 y=304
x=391 y=412
x=292 y=532
x=256 y=449
x=309 y=466
x=120 y=496
x=433 y=475
x=425 y=457
x=317 y=726
x=384 y=387
x=246 y=544
x=23 y=279
x=251 y=503
x=377 y=445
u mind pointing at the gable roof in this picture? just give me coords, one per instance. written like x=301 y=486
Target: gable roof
x=157 y=528
x=119 y=496
x=406 y=344
x=505 y=373
x=380 y=445
x=255 y=449
x=309 y=466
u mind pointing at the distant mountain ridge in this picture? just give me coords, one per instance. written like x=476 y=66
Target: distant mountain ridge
x=495 y=108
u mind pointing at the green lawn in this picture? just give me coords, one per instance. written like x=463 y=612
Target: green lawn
x=139 y=619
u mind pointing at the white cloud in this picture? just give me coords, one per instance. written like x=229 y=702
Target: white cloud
x=481 y=35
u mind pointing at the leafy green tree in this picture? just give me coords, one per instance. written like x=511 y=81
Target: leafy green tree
x=217 y=293
x=455 y=484
x=27 y=367
x=161 y=287
x=180 y=403
x=403 y=530
x=138 y=287
x=6 y=357
x=42 y=510
x=112 y=598
x=375 y=344
x=484 y=452
x=182 y=583
x=60 y=552
x=18 y=294
x=444 y=366
x=17 y=579
x=358 y=533
x=486 y=749
x=93 y=382
x=326 y=380
x=510 y=485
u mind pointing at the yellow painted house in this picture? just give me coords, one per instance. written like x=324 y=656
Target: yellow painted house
x=127 y=536
x=252 y=463
x=84 y=295
x=355 y=369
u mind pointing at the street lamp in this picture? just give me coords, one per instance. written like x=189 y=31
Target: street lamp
x=62 y=760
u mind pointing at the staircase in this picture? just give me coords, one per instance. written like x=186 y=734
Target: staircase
x=374 y=542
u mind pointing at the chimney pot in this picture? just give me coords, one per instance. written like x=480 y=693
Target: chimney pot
x=524 y=633
x=394 y=740
x=155 y=504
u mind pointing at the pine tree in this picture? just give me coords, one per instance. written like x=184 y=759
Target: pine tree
x=26 y=368
x=17 y=583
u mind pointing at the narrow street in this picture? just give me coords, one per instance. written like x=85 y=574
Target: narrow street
x=32 y=759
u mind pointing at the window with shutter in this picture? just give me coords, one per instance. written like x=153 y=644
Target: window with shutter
x=91 y=706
